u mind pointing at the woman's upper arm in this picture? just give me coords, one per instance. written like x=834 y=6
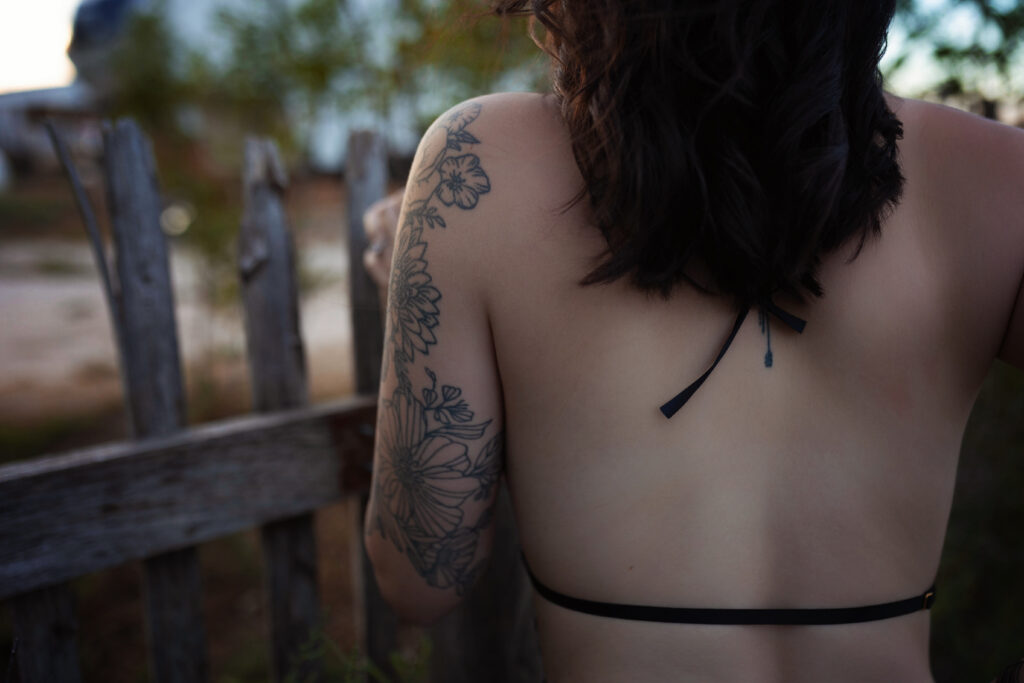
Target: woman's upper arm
x=439 y=446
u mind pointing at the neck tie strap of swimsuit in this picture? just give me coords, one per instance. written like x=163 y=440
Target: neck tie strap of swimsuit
x=793 y=322
x=673 y=406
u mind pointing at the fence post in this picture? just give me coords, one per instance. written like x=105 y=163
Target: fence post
x=45 y=628
x=277 y=366
x=155 y=392
x=366 y=176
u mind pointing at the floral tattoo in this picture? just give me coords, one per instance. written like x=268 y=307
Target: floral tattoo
x=434 y=457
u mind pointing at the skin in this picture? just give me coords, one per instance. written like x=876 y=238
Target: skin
x=824 y=481
x=380 y=222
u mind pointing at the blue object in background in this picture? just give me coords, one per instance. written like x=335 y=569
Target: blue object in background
x=99 y=21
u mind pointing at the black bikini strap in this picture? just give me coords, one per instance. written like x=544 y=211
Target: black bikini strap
x=672 y=407
x=737 y=617
x=793 y=322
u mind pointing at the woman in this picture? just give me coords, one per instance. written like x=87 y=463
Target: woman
x=568 y=270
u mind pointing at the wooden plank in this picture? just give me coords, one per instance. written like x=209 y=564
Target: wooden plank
x=150 y=361
x=173 y=592
x=46 y=646
x=266 y=265
x=46 y=628
x=92 y=230
x=376 y=622
x=289 y=558
x=366 y=181
x=277 y=366
x=69 y=515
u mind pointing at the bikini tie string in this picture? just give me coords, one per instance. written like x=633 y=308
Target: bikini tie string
x=788 y=319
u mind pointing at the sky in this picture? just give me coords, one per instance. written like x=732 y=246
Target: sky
x=34 y=35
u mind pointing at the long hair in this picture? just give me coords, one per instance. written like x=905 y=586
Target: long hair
x=750 y=137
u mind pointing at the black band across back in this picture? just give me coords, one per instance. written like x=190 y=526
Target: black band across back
x=737 y=617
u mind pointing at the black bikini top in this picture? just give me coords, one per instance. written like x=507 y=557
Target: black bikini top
x=812 y=616
x=729 y=616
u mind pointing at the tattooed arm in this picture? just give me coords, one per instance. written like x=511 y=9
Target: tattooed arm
x=439 y=449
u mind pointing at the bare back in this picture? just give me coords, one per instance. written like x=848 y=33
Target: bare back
x=824 y=481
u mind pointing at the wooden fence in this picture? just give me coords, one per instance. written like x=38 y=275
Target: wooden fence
x=169 y=489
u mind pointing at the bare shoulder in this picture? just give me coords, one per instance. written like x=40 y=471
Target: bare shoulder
x=966 y=172
x=965 y=187
x=514 y=112
x=985 y=155
x=484 y=172
x=519 y=135
x=507 y=154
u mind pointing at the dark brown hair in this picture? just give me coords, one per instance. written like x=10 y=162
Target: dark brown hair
x=749 y=136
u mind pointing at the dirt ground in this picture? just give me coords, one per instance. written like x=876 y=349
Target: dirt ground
x=57 y=354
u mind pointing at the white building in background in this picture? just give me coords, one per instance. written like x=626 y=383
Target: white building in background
x=24 y=143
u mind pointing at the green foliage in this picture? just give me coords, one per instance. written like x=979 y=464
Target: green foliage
x=352 y=666
x=279 y=55
x=282 y=58
x=985 y=59
x=282 y=63
x=146 y=85
x=467 y=47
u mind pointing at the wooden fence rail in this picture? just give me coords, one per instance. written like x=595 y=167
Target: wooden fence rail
x=159 y=496
x=81 y=512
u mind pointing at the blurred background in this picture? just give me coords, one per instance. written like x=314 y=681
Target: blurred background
x=201 y=75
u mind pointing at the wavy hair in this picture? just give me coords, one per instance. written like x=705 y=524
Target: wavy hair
x=746 y=137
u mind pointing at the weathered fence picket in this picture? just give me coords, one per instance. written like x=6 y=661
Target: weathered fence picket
x=366 y=175
x=151 y=363
x=277 y=366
